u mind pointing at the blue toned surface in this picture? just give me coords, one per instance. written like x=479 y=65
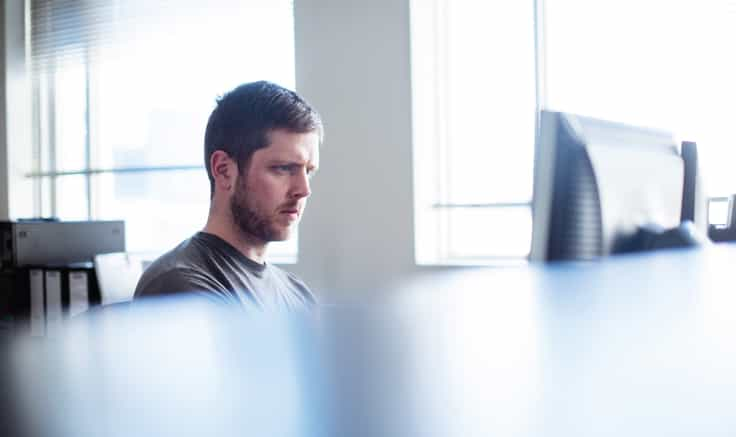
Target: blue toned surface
x=630 y=345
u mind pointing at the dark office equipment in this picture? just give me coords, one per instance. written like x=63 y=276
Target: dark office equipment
x=7 y=321
x=689 y=195
x=653 y=237
x=597 y=182
x=46 y=270
x=43 y=242
x=27 y=310
x=38 y=219
x=725 y=231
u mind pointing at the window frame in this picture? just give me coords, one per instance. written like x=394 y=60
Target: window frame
x=432 y=218
x=44 y=173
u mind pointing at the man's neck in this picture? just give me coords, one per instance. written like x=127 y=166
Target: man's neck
x=251 y=247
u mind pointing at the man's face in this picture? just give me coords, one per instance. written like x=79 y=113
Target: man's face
x=272 y=191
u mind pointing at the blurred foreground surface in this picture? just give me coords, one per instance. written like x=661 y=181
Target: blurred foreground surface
x=634 y=345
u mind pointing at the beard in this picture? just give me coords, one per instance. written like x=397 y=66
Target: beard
x=251 y=221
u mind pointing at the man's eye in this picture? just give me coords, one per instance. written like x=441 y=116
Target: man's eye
x=283 y=168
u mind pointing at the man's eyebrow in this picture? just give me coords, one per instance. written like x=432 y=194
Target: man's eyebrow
x=277 y=161
x=309 y=166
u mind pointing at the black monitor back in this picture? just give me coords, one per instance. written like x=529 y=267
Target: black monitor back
x=597 y=183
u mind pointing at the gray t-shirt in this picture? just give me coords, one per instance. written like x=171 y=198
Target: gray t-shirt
x=206 y=263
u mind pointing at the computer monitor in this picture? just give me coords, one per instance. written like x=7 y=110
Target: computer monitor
x=597 y=183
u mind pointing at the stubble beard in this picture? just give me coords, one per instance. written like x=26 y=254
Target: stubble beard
x=250 y=221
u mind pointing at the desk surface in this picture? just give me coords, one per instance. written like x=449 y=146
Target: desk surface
x=632 y=345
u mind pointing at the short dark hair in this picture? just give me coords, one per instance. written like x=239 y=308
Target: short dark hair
x=240 y=123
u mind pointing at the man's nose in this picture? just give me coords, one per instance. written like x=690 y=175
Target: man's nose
x=300 y=185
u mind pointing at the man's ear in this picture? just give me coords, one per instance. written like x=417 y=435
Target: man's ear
x=224 y=170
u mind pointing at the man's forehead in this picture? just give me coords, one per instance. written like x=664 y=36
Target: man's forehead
x=285 y=145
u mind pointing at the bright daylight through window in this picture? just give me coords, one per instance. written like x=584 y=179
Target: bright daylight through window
x=473 y=79
x=122 y=94
x=655 y=63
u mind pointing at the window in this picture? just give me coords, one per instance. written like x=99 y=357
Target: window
x=479 y=79
x=122 y=93
x=654 y=63
x=473 y=78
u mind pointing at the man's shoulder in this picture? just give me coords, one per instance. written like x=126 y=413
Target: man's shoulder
x=181 y=269
x=178 y=258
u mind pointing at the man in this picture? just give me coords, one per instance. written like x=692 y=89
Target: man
x=261 y=148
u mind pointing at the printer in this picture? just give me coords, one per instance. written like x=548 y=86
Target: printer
x=53 y=242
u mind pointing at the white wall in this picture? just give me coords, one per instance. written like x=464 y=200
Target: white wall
x=16 y=191
x=4 y=204
x=353 y=65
